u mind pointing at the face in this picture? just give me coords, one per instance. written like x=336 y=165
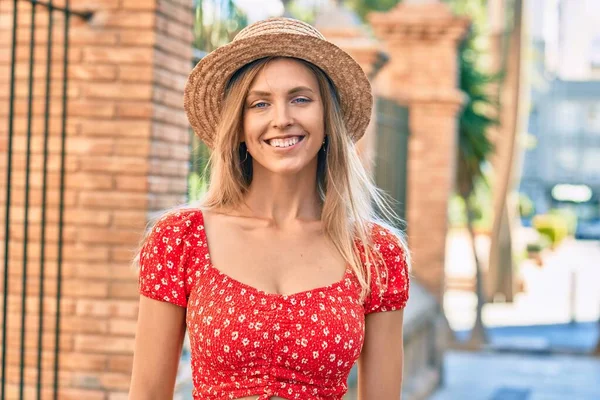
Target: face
x=283 y=118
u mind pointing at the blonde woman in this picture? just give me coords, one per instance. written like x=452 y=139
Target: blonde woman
x=282 y=276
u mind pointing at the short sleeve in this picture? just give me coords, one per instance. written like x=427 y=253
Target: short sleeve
x=389 y=292
x=164 y=269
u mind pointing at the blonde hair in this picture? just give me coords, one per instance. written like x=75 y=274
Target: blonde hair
x=351 y=201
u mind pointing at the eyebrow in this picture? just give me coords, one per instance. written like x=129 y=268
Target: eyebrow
x=291 y=91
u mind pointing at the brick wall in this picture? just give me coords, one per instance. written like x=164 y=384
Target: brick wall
x=127 y=156
x=422 y=73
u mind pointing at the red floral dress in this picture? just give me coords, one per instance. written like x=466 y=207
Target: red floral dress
x=245 y=341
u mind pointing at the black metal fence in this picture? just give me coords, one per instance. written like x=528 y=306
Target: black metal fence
x=392 y=151
x=35 y=11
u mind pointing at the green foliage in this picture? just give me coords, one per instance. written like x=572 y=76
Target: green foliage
x=216 y=22
x=199 y=173
x=554 y=227
x=569 y=216
x=526 y=206
x=363 y=7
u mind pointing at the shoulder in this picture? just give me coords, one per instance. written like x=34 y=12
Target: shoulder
x=389 y=242
x=181 y=221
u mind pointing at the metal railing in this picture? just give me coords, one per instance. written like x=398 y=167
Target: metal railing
x=66 y=12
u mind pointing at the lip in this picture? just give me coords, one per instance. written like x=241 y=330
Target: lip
x=284 y=149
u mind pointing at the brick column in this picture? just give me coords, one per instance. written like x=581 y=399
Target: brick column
x=127 y=157
x=422 y=40
x=342 y=27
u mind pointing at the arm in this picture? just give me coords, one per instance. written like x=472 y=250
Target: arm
x=381 y=362
x=158 y=343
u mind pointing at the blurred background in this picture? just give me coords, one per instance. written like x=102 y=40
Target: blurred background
x=486 y=132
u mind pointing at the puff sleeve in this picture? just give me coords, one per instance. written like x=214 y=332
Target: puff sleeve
x=389 y=292
x=164 y=268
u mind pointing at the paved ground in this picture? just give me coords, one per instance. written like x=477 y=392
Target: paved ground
x=566 y=287
x=492 y=376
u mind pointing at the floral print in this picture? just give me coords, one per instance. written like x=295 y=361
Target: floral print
x=245 y=341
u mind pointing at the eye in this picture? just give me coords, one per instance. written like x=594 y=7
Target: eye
x=301 y=100
x=260 y=104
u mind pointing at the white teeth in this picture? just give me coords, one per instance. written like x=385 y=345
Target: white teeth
x=287 y=142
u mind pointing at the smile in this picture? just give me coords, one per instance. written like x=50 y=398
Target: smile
x=283 y=143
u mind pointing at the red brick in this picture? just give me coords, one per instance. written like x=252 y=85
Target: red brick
x=84 y=361
x=118 y=396
x=123 y=253
x=118 y=55
x=106 y=308
x=179 y=65
x=148 y=5
x=124 y=290
x=131 y=165
x=76 y=324
x=104 y=344
x=118 y=128
x=124 y=272
x=86 y=72
x=138 y=109
x=120 y=363
x=172 y=28
x=130 y=19
x=132 y=148
x=173 y=11
x=78 y=394
x=128 y=73
x=82 y=108
x=174 y=46
x=94 y=5
x=116 y=381
x=85 y=288
x=170 y=115
x=127 y=91
x=132 y=183
x=107 y=236
x=87 y=217
x=123 y=326
x=87 y=145
x=136 y=37
x=103 y=200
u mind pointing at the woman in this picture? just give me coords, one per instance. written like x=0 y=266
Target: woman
x=281 y=273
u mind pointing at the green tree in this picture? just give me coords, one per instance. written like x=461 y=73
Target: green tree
x=474 y=148
x=216 y=22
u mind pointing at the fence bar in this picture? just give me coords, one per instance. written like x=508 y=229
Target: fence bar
x=44 y=201
x=26 y=208
x=11 y=105
x=61 y=201
x=86 y=15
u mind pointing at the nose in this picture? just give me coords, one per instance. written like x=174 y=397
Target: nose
x=282 y=117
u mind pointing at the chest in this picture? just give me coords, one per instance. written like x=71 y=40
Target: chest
x=235 y=328
x=277 y=262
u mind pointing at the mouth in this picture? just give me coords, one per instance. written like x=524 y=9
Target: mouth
x=284 y=143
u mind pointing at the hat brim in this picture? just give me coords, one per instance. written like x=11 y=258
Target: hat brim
x=205 y=88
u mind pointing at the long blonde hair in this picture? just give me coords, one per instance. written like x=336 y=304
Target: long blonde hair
x=351 y=201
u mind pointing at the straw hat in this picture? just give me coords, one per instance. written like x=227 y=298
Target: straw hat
x=285 y=37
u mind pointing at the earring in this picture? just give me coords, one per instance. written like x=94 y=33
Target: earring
x=324 y=146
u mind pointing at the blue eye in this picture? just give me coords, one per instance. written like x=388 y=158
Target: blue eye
x=302 y=100
x=260 y=104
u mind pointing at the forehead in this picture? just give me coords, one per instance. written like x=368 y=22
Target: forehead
x=282 y=73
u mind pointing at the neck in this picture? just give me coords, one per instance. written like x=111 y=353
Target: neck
x=283 y=198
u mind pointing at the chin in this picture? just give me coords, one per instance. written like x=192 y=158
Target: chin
x=288 y=168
